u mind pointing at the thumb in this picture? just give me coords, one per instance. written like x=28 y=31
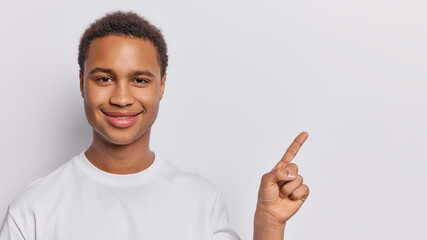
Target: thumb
x=277 y=175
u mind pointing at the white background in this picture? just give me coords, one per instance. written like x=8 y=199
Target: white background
x=244 y=79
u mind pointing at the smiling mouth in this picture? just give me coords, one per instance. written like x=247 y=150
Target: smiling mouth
x=122 y=119
x=121 y=115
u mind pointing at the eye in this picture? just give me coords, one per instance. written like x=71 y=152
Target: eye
x=140 y=81
x=103 y=79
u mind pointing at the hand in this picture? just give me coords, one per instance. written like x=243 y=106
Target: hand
x=282 y=191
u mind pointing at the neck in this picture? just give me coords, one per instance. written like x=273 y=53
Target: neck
x=120 y=159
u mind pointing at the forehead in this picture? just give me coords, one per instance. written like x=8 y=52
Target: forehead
x=122 y=54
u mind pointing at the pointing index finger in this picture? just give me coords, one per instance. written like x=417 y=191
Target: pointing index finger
x=292 y=150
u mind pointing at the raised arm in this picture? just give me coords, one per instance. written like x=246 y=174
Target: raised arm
x=281 y=195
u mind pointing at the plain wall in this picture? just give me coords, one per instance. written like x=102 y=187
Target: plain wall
x=244 y=78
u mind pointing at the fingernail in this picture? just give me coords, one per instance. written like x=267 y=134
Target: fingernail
x=291 y=174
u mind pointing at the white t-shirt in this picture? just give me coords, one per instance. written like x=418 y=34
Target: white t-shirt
x=78 y=201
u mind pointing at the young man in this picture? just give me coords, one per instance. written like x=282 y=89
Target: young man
x=118 y=188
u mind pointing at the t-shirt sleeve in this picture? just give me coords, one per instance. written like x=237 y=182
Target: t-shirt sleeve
x=217 y=218
x=10 y=230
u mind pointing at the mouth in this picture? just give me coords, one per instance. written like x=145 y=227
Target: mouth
x=122 y=119
x=122 y=115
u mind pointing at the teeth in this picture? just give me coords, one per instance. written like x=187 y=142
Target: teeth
x=123 y=117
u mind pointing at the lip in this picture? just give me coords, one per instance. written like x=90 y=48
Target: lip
x=113 y=118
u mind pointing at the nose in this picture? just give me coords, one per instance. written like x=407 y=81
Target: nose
x=122 y=95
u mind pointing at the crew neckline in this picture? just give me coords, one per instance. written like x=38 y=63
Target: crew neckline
x=120 y=180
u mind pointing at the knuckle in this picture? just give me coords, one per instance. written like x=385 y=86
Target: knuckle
x=300 y=178
x=307 y=192
x=265 y=177
x=293 y=196
x=292 y=152
x=285 y=191
x=305 y=188
x=293 y=166
x=281 y=164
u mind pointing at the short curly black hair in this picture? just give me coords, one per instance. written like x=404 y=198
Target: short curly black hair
x=126 y=24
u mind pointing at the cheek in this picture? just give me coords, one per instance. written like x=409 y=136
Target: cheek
x=149 y=97
x=94 y=98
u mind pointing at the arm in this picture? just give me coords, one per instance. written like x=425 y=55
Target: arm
x=266 y=228
x=281 y=195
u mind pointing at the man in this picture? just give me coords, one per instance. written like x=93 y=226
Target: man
x=118 y=188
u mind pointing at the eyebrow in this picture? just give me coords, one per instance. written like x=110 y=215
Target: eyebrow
x=133 y=73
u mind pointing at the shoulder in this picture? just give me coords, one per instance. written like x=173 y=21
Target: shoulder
x=42 y=189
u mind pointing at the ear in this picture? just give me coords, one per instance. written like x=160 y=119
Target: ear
x=162 y=87
x=81 y=83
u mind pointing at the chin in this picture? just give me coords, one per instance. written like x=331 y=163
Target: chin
x=117 y=138
x=121 y=142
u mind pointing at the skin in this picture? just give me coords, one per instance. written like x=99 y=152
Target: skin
x=113 y=149
x=280 y=196
x=113 y=88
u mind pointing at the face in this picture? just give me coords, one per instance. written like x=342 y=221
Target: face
x=121 y=88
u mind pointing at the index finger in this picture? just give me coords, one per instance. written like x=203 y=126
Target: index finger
x=292 y=150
